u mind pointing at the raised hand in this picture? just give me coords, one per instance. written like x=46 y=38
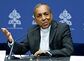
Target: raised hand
x=7 y=34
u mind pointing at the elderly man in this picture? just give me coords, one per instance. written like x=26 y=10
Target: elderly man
x=47 y=37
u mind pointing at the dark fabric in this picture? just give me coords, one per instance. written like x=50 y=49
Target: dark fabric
x=4 y=46
x=60 y=40
x=78 y=49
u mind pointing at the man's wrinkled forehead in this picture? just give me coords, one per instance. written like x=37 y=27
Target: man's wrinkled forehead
x=39 y=5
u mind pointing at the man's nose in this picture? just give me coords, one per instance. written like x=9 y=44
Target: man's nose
x=43 y=17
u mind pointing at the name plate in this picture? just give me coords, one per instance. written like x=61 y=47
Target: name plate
x=2 y=55
x=77 y=58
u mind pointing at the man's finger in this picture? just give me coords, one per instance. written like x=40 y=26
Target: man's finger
x=4 y=30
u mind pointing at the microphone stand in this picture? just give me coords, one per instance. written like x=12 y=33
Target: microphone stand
x=11 y=56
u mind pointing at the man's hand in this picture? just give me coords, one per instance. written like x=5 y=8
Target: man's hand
x=7 y=34
x=39 y=52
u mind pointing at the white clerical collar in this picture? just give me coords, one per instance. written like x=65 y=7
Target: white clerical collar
x=47 y=29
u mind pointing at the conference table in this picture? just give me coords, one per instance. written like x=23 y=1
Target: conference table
x=41 y=58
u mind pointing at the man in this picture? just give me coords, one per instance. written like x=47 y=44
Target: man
x=47 y=37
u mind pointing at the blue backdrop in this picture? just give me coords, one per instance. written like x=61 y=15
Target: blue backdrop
x=17 y=16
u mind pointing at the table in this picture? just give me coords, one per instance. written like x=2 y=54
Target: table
x=42 y=58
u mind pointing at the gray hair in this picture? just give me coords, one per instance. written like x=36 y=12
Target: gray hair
x=40 y=4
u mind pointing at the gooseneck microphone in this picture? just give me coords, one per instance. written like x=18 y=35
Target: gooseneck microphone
x=11 y=51
x=11 y=56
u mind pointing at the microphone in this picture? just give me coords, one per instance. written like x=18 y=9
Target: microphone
x=11 y=56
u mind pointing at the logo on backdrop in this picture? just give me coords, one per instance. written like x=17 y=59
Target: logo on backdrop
x=33 y=22
x=14 y=19
x=65 y=17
